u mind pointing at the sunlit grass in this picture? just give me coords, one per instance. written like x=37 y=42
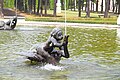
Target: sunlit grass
x=72 y=16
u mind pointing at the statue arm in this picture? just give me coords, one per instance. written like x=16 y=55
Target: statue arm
x=65 y=48
x=56 y=43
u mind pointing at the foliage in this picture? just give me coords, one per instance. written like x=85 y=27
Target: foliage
x=9 y=3
x=51 y=4
x=30 y=7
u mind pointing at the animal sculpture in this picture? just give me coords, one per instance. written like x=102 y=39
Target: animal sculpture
x=9 y=25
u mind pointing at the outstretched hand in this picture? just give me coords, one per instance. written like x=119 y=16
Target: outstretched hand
x=65 y=41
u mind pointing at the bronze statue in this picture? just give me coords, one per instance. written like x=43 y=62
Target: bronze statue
x=9 y=25
x=47 y=53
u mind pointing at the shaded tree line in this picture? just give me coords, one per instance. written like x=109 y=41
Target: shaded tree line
x=37 y=6
x=34 y=6
x=89 y=7
x=40 y=7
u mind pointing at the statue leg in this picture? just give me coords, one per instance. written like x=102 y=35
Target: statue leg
x=57 y=54
x=46 y=56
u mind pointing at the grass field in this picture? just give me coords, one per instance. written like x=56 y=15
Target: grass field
x=72 y=16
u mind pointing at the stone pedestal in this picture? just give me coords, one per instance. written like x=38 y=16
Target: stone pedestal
x=118 y=20
x=58 y=6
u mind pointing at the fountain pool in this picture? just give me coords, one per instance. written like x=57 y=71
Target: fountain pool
x=94 y=55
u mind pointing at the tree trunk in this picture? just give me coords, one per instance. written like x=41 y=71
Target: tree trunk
x=34 y=2
x=38 y=8
x=26 y=8
x=106 y=8
x=113 y=3
x=116 y=9
x=20 y=5
x=82 y=4
x=71 y=5
x=88 y=9
x=54 y=13
x=46 y=1
x=1 y=8
x=102 y=6
x=118 y=6
x=119 y=9
x=30 y=6
x=96 y=5
x=91 y=6
x=41 y=8
x=79 y=8
x=74 y=5
x=62 y=4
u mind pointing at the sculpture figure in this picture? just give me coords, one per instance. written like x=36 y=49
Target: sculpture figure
x=47 y=52
x=9 y=25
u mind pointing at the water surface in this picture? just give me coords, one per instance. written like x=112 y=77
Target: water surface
x=94 y=55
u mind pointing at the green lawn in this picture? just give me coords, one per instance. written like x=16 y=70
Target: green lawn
x=72 y=16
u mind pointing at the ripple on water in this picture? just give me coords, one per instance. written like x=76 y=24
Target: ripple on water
x=51 y=67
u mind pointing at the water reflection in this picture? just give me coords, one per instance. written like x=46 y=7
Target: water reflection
x=94 y=54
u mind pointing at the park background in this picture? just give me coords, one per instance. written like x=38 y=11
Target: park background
x=78 y=11
x=94 y=51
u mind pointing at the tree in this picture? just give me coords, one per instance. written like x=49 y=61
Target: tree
x=82 y=1
x=30 y=6
x=20 y=5
x=69 y=4
x=54 y=12
x=113 y=3
x=87 y=8
x=62 y=3
x=1 y=8
x=46 y=1
x=106 y=8
x=38 y=8
x=26 y=6
x=119 y=9
x=79 y=8
x=102 y=6
x=74 y=5
x=96 y=5
x=118 y=2
x=41 y=8
x=34 y=3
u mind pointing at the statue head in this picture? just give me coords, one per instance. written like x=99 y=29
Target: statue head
x=57 y=33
